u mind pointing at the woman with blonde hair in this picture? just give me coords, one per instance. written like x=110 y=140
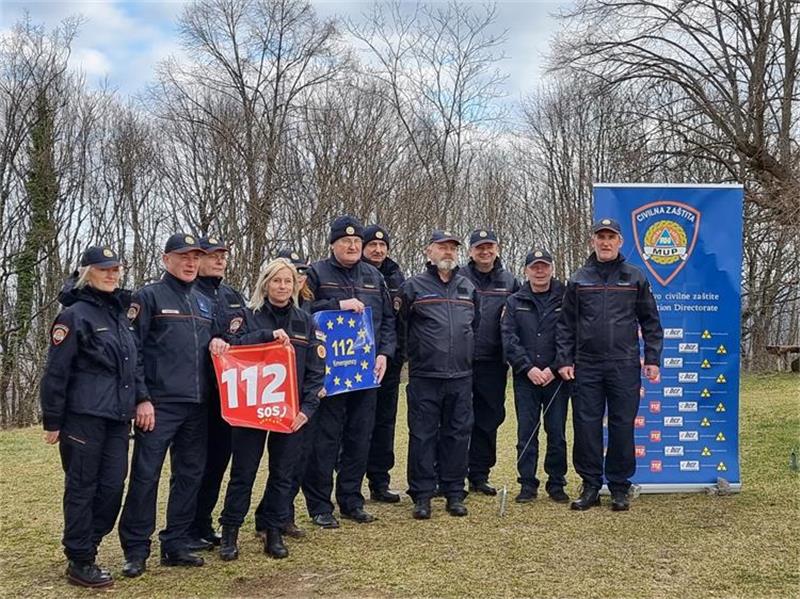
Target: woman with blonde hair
x=304 y=294
x=272 y=315
x=88 y=397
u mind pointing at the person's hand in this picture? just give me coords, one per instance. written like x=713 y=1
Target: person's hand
x=218 y=346
x=547 y=376
x=51 y=437
x=652 y=372
x=380 y=367
x=567 y=373
x=145 y=416
x=535 y=376
x=353 y=304
x=299 y=421
x=280 y=335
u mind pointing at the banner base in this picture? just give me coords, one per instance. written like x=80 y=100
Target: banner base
x=679 y=488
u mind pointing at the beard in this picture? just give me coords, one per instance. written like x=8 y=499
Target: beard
x=445 y=265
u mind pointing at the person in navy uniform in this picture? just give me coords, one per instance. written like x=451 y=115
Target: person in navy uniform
x=381 y=451
x=272 y=315
x=439 y=313
x=88 y=398
x=607 y=303
x=304 y=296
x=494 y=285
x=228 y=307
x=173 y=325
x=529 y=344
x=344 y=422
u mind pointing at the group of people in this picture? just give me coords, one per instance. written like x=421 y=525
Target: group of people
x=117 y=357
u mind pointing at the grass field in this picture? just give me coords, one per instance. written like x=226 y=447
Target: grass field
x=689 y=545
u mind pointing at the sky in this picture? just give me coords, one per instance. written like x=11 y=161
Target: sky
x=123 y=41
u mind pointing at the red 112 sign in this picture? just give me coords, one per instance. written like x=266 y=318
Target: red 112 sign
x=258 y=386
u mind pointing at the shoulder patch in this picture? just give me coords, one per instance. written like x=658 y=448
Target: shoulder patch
x=60 y=332
x=235 y=324
x=320 y=335
x=321 y=351
x=133 y=311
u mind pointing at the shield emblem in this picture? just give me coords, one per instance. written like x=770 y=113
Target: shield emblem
x=666 y=233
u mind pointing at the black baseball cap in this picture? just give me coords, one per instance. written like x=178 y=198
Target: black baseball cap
x=100 y=256
x=441 y=236
x=538 y=255
x=606 y=223
x=479 y=236
x=213 y=244
x=376 y=232
x=181 y=243
x=345 y=226
x=296 y=258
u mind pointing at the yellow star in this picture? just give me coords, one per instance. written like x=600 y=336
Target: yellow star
x=362 y=333
x=364 y=365
x=327 y=370
x=340 y=319
x=337 y=381
x=367 y=348
x=358 y=377
x=329 y=324
x=348 y=383
x=351 y=323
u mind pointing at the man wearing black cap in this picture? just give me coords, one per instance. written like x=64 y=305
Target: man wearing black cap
x=345 y=282
x=173 y=324
x=439 y=314
x=529 y=344
x=381 y=451
x=228 y=308
x=597 y=343
x=494 y=285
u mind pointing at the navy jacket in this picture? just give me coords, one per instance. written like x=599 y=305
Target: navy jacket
x=394 y=279
x=438 y=324
x=173 y=326
x=494 y=288
x=331 y=282
x=309 y=349
x=227 y=304
x=91 y=364
x=604 y=306
x=529 y=334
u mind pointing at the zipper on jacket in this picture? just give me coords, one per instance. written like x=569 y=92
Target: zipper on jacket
x=196 y=350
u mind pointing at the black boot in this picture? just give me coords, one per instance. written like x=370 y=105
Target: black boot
x=229 y=544
x=620 y=501
x=422 y=509
x=274 y=544
x=87 y=574
x=455 y=506
x=590 y=497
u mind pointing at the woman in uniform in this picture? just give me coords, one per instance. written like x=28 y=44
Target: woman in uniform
x=88 y=396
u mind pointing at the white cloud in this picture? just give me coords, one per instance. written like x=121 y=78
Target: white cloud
x=92 y=62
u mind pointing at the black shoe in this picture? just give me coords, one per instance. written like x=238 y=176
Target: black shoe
x=558 y=495
x=199 y=545
x=422 y=509
x=213 y=538
x=327 y=520
x=274 y=546
x=384 y=496
x=455 y=507
x=359 y=515
x=590 y=497
x=482 y=487
x=134 y=567
x=526 y=495
x=229 y=544
x=88 y=574
x=291 y=530
x=182 y=557
x=620 y=501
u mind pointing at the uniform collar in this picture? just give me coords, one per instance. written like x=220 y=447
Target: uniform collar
x=209 y=283
x=175 y=283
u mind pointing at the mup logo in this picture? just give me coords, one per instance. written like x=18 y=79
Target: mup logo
x=666 y=233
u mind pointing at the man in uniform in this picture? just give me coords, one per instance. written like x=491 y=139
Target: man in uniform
x=381 y=451
x=345 y=282
x=494 y=284
x=228 y=307
x=529 y=344
x=172 y=322
x=597 y=344
x=439 y=313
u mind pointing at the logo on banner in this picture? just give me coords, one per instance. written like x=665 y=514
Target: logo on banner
x=655 y=436
x=656 y=466
x=666 y=233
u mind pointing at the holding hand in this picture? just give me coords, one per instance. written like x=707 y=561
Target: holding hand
x=353 y=304
x=218 y=346
x=280 y=335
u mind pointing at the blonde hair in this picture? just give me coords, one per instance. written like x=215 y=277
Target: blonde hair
x=267 y=273
x=83 y=277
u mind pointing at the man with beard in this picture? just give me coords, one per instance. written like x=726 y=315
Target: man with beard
x=381 y=451
x=439 y=315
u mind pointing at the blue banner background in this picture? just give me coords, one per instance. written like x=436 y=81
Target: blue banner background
x=687 y=429
x=350 y=350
